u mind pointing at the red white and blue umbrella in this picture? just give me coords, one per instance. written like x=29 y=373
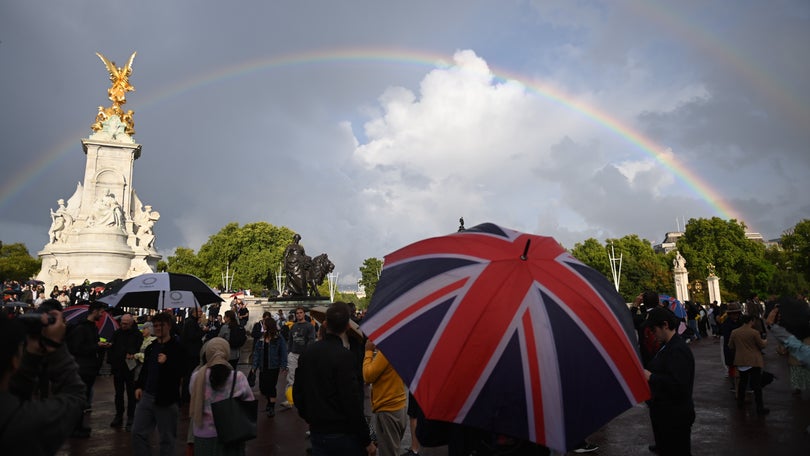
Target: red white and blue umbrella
x=505 y=331
x=106 y=324
x=161 y=290
x=673 y=304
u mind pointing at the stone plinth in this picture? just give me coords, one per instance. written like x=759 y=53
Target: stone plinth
x=713 y=283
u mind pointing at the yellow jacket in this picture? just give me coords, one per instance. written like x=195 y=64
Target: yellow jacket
x=388 y=392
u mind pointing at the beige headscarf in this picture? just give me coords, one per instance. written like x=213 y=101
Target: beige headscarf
x=216 y=351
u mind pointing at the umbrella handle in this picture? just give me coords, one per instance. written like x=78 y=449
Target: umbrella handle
x=526 y=250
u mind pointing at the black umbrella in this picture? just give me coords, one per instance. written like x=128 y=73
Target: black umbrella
x=161 y=290
x=16 y=304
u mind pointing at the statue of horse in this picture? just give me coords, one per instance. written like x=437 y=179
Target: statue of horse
x=316 y=271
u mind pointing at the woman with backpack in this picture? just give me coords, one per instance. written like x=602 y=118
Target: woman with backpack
x=234 y=334
x=269 y=357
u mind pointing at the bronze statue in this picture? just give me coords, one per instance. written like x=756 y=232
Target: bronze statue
x=316 y=271
x=117 y=93
x=295 y=259
x=304 y=273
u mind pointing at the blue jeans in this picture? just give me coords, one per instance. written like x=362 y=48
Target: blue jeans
x=147 y=417
x=336 y=445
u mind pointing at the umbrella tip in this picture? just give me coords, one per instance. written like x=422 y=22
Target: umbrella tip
x=526 y=250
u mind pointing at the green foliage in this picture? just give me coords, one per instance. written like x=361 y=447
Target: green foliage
x=740 y=263
x=252 y=254
x=642 y=268
x=796 y=245
x=183 y=261
x=16 y=263
x=594 y=254
x=369 y=275
x=350 y=298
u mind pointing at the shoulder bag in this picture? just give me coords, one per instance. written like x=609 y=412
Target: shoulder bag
x=235 y=419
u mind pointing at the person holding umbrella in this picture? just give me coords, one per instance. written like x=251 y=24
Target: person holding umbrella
x=84 y=344
x=125 y=343
x=671 y=375
x=157 y=390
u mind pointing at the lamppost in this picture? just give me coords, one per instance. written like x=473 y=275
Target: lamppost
x=332 y=277
x=695 y=289
x=280 y=279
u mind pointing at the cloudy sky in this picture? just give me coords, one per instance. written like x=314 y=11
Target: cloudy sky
x=366 y=125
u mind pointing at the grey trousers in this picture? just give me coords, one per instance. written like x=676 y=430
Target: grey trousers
x=147 y=417
x=390 y=427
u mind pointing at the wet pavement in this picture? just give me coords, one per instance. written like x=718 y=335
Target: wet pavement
x=719 y=429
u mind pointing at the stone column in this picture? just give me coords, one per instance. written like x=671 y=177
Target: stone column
x=681 y=278
x=714 y=288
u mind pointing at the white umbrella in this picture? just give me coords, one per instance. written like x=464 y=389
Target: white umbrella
x=161 y=290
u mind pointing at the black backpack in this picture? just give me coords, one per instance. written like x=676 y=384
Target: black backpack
x=238 y=337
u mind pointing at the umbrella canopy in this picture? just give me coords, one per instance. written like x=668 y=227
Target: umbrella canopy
x=319 y=314
x=161 y=290
x=16 y=304
x=106 y=324
x=505 y=331
x=674 y=305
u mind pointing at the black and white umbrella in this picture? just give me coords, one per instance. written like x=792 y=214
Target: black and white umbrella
x=161 y=290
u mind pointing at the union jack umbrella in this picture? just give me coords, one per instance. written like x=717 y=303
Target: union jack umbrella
x=674 y=305
x=505 y=331
x=106 y=324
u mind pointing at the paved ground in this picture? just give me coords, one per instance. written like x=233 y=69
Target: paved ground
x=720 y=429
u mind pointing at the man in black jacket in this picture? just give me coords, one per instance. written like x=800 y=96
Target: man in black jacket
x=329 y=395
x=671 y=375
x=84 y=344
x=158 y=390
x=125 y=342
x=29 y=425
x=191 y=338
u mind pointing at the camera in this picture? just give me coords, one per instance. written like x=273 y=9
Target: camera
x=33 y=321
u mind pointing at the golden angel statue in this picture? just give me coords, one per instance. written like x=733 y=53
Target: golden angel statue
x=117 y=93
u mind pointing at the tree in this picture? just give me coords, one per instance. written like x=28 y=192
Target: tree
x=740 y=263
x=252 y=253
x=16 y=263
x=593 y=253
x=642 y=268
x=184 y=261
x=369 y=275
x=786 y=280
x=796 y=245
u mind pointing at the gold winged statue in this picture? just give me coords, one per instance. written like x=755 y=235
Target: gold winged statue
x=117 y=93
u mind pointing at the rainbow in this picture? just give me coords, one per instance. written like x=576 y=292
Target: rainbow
x=371 y=55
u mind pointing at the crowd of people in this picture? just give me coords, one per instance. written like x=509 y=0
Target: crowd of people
x=339 y=382
x=743 y=333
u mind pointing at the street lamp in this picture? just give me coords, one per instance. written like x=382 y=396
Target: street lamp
x=695 y=288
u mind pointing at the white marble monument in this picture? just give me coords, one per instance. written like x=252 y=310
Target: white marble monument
x=103 y=232
x=681 y=277
x=713 y=282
